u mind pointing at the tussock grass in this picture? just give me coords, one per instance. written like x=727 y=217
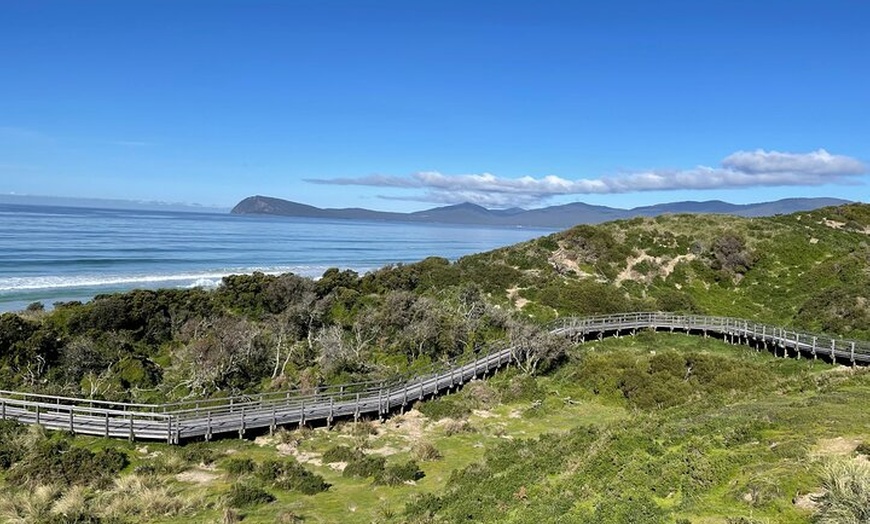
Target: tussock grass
x=457 y=427
x=425 y=451
x=28 y=507
x=847 y=496
x=146 y=497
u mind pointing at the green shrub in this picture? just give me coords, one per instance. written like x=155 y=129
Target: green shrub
x=290 y=475
x=396 y=474
x=444 y=407
x=365 y=466
x=199 y=453
x=238 y=466
x=10 y=451
x=341 y=454
x=243 y=495
x=55 y=460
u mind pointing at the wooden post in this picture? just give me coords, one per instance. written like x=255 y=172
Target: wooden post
x=380 y=403
x=132 y=433
x=242 y=426
x=207 y=425
x=797 y=344
x=37 y=415
x=853 y=354
x=302 y=414
x=356 y=409
x=814 y=348
x=331 y=412
x=274 y=425
x=3 y=407
x=107 y=425
x=169 y=431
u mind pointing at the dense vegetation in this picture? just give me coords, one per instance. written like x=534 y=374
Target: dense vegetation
x=685 y=430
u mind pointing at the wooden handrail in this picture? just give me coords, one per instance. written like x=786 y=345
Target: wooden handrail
x=176 y=421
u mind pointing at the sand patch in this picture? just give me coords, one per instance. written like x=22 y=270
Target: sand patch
x=563 y=263
x=840 y=446
x=514 y=296
x=409 y=426
x=384 y=451
x=196 y=476
x=483 y=413
x=808 y=502
x=662 y=267
x=337 y=466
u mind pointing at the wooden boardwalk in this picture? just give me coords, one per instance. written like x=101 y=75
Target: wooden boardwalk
x=176 y=422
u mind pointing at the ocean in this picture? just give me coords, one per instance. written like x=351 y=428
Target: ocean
x=51 y=253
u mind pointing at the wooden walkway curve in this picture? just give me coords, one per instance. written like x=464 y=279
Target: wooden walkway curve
x=176 y=422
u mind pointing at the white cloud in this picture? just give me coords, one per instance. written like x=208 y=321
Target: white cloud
x=739 y=170
x=817 y=162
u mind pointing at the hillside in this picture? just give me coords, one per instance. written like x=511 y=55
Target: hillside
x=653 y=428
x=549 y=217
x=807 y=269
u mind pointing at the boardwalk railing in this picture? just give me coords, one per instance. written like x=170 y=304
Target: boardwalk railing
x=204 y=418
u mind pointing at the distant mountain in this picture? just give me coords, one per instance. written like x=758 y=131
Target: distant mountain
x=107 y=203
x=558 y=217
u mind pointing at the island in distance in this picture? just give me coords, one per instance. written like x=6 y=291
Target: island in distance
x=558 y=217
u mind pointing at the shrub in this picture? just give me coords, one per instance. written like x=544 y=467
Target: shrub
x=290 y=475
x=341 y=454
x=238 y=466
x=198 y=453
x=365 y=466
x=56 y=460
x=245 y=495
x=395 y=474
x=10 y=452
x=444 y=407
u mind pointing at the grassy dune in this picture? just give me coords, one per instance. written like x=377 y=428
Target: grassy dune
x=602 y=439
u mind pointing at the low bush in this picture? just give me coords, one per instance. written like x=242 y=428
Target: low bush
x=444 y=407
x=242 y=495
x=56 y=460
x=290 y=475
x=365 y=466
x=341 y=454
x=238 y=466
x=396 y=474
x=199 y=453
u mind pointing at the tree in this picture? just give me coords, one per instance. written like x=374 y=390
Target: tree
x=533 y=349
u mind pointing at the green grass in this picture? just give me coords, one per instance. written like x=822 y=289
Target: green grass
x=552 y=448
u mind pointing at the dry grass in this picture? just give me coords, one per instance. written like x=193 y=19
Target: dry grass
x=28 y=507
x=457 y=426
x=847 y=493
x=145 y=496
x=425 y=451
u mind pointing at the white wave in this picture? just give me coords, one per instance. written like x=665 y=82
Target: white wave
x=207 y=279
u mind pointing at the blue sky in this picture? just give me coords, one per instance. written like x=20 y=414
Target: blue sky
x=406 y=105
